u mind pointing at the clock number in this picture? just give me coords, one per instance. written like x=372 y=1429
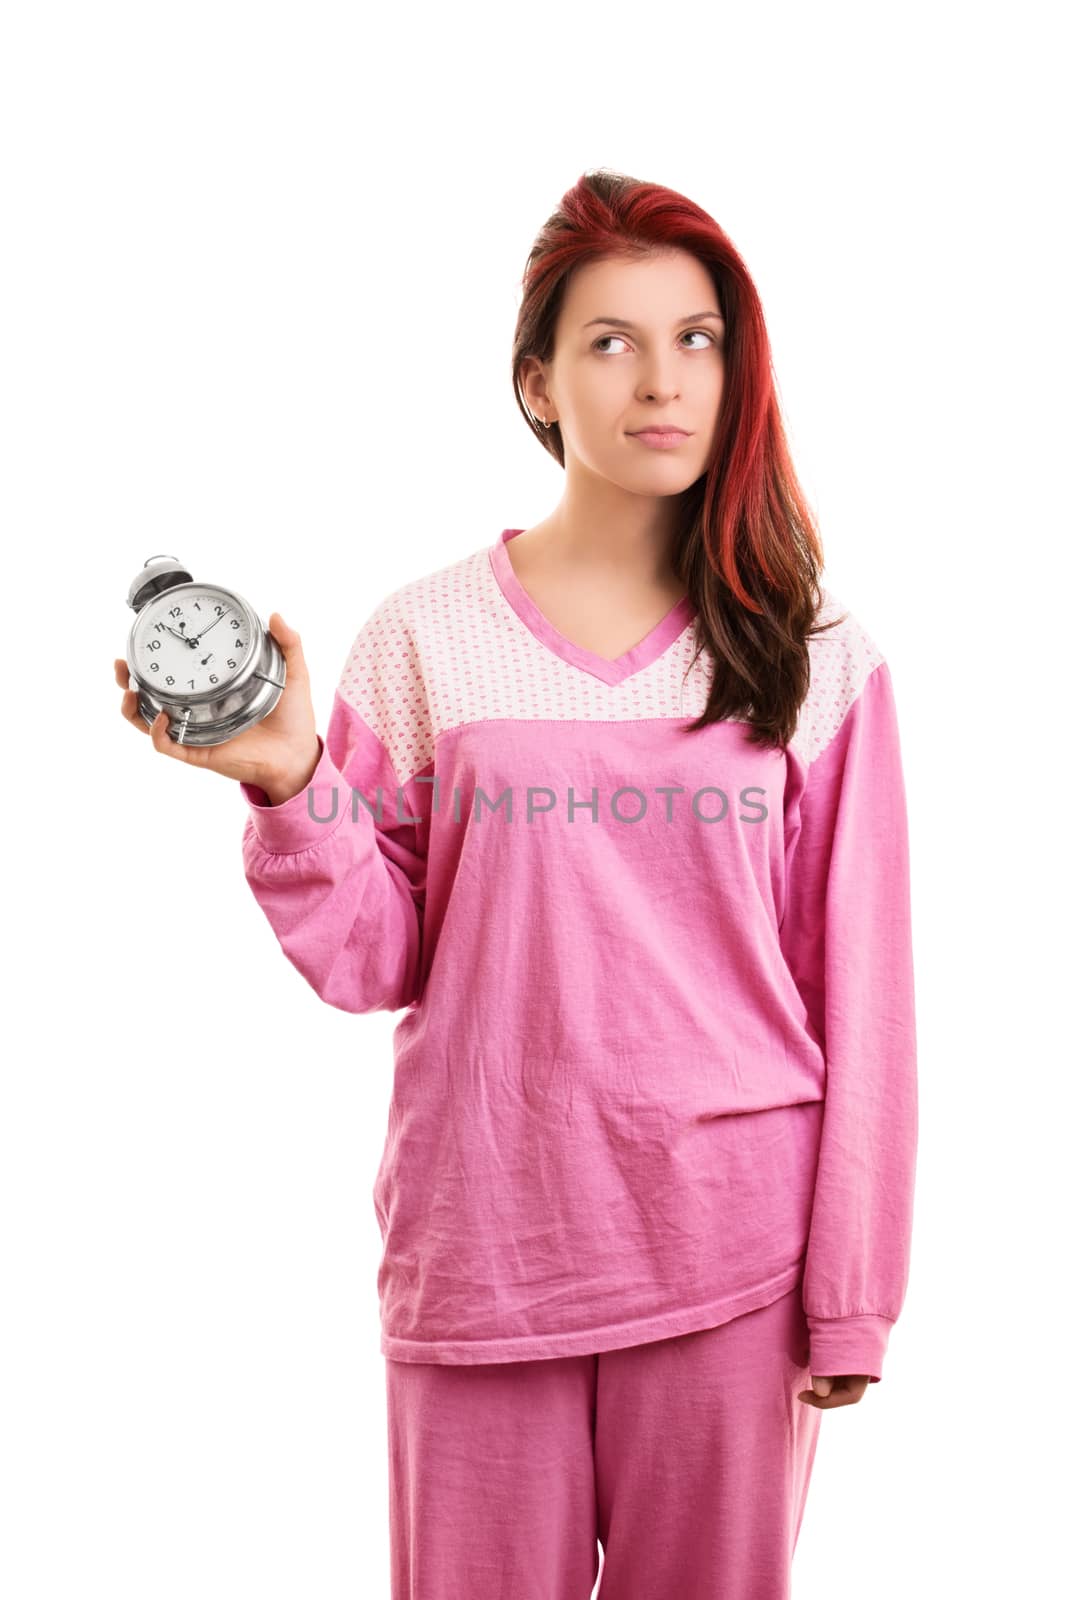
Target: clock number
x=212 y=678
x=153 y=666
x=175 y=611
x=235 y=622
x=153 y=644
x=169 y=678
x=230 y=662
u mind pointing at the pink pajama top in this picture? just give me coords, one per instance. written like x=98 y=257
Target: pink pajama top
x=657 y=1063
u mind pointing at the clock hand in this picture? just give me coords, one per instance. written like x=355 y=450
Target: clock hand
x=210 y=625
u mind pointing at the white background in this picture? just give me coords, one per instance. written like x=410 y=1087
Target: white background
x=261 y=269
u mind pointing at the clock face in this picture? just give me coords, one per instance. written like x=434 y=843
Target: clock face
x=193 y=640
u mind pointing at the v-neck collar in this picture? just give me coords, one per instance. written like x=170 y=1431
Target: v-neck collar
x=654 y=644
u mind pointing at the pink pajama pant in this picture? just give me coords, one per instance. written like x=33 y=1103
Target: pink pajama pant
x=688 y=1459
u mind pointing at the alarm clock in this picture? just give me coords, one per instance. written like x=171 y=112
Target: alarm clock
x=198 y=652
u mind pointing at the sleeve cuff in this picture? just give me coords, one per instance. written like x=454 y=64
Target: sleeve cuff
x=844 y=1345
x=307 y=817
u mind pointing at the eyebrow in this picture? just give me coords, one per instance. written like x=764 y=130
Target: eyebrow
x=620 y=322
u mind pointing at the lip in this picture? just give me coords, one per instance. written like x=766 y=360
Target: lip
x=661 y=438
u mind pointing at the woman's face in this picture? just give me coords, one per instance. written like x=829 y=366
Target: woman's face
x=656 y=358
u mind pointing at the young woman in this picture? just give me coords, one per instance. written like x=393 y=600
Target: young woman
x=612 y=809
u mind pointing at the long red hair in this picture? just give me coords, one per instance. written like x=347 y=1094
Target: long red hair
x=747 y=545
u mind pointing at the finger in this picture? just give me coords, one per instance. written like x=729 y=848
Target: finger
x=840 y=1397
x=163 y=741
x=830 y=1402
x=817 y=1401
x=131 y=710
x=852 y=1381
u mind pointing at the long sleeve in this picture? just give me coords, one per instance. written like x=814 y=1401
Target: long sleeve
x=346 y=895
x=846 y=936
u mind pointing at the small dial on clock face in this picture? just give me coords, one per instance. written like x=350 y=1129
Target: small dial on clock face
x=192 y=641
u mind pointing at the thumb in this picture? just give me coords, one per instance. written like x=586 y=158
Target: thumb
x=289 y=644
x=822 y=1386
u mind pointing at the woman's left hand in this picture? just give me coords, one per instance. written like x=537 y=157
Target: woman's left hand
x=825 y=1393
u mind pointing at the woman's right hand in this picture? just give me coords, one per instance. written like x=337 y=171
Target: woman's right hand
x=280 y=753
